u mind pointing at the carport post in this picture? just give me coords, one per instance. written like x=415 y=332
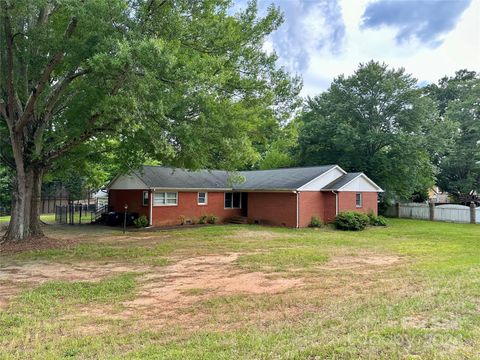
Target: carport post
x=125 y=219
x=473 y=213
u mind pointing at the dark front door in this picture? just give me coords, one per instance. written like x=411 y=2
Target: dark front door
x=244 y=204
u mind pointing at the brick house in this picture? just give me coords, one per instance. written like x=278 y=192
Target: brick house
x=284 y=197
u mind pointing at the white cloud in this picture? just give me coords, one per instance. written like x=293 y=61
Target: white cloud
x=460 y=49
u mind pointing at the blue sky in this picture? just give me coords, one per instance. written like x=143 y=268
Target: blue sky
x=321 y=39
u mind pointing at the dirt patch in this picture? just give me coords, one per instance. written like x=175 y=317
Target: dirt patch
x=423 y=322
x=201 y=278
x=7 y=291
x=39 y=272
x=37 y=243
x=254 y=235
x=14 y=277
x=362 y=261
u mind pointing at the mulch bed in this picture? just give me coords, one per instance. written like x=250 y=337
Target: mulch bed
x=34 y=244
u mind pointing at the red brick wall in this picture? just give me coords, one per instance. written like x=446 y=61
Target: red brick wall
x=273 y=208
x=323 y=205
x=346 y=202
x=188 y=207
x=311 y=203
x=133 y=198
x=330 y=203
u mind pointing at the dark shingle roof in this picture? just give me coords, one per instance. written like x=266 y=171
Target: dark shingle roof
x=175 y=178
x=278 y=179
x=341 y=181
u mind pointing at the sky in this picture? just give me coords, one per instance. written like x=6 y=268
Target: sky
x=321 y=39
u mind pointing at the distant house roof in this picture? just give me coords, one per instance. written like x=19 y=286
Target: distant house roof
x=289 y=179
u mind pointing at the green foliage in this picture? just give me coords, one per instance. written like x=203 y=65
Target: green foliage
x=457 y=100
x=212 y=219
x=203 y=219
x=375 y=121
x=280 y=151
x=350 y=220
x=141 y=222
x=315 y=222
x=113 y=84
x=375 y=220
x=5 y=187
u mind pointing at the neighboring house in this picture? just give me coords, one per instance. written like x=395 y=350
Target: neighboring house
x=436 y=195
x=101 y=198
x=285 y=197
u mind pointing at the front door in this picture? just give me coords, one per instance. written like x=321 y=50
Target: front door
x=244 y=211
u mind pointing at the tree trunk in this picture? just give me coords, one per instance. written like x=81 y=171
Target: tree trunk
x=25 y=218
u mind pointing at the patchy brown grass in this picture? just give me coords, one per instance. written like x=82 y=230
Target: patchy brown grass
x=236 y=292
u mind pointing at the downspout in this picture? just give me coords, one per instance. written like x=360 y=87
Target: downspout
x=151 y=207
x=297 y=192
x=336 y=202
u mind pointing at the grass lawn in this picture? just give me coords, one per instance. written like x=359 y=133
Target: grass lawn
x=408 y=291
x=48 y=218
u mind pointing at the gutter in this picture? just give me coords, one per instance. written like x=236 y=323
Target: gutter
x=336 y=202
x=151 y=207
x=298 y=215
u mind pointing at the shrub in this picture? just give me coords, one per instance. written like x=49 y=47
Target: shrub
x=141 y=222
x=202 y=219
x=374 y=220
x=183 y=220
x=315 y=222
x=212 y=219
x=351 y=221
x=379 y=221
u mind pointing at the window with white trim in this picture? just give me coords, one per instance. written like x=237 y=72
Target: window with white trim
x=202 y=198
x=165 y=199
x=145 y=198
x=233 y=200
x=359 y=200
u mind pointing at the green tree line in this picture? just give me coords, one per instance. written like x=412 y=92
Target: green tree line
x=405 y=137
x=96 y=87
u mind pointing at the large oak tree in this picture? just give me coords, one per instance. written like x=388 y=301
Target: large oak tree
x=377 y=121
x=181 y=81
x=458 y=100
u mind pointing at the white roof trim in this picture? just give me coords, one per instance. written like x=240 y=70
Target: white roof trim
x=379 y=189
x=323 y=174
x=119 y=175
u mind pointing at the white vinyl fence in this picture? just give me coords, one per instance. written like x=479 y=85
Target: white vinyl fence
x=414 y=211
x=448 y=212
x=455 y=213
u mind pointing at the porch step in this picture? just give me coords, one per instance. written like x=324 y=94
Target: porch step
x=238 y=220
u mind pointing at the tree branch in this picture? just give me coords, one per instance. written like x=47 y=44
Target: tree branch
x=50 y=106
x=44 y=78
x=11 y=96
x=90 y=129
x=59 y=90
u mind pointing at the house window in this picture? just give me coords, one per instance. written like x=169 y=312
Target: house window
x=359 y=200
x=202 y=198
x=165 y=199
x=145 y=198
x=233 y=201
